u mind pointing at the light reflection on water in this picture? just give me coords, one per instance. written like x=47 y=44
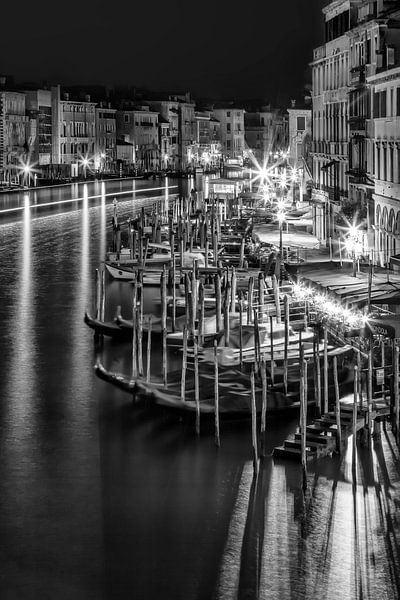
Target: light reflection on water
x=99 y=500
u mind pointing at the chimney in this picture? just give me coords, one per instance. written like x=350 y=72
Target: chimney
x=87 y=97
x=293 y=103
x=65 y=96
x=2 y=81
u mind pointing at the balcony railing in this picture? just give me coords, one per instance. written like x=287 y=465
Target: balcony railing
x=357 y=75
x=357 y=123
x=330 y=148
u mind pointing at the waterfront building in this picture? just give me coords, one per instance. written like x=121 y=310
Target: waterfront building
x=16 y=131
x=330 y=72
x=74 y=136
x=139 y=126
x=231 y=130
x=374 y=47
x=125 y=156
x=106 y=138
x=169 y=112
x=39 y=110
x=206 y=149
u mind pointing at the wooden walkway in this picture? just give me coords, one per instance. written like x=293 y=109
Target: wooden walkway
x=321 y=434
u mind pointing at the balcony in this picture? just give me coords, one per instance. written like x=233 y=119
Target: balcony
x=358 y=177
x=357 y=123
x=357 y=75
x=330 y=148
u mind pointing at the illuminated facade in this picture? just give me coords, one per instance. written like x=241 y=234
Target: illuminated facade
x=330 y=71
x=232 y=131
x=106 y=138
x=14 y=134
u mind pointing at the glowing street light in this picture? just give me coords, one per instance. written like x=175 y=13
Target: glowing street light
x=354 y=246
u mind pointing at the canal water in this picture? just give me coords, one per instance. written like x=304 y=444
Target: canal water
x=100 y=500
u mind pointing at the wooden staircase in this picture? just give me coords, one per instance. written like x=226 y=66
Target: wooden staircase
x=321 y=435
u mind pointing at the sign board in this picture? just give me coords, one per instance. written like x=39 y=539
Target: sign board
x=381 y=328
x=380 y=376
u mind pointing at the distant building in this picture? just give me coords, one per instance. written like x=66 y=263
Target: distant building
x=265 y=133
x=139 y=126
x=232 y=131
x=39 y=107
x=75 y=139
x=299 y=134
x=14 y=134
x=170 y=145
x=125 y=156
x=206 y=148
x=106 y=139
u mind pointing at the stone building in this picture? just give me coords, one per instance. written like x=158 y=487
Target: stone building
x=330 y=71
x=266 y=133
x=231 y=130
x=106 y=139
x=15 y=133
x=74 y=138
x=139 y=126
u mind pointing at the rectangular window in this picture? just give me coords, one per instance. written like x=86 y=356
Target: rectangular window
x=126 y=118
x=301 y=123
x=398 y=102
x=228 y=126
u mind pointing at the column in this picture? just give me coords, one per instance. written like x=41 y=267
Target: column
x=396 y=163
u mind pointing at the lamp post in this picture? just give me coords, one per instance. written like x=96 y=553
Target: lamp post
x=27 y=173
x=85 y=164
x=281 y=220
x=354 y=246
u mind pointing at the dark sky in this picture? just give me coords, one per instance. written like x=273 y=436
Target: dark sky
x=222 y=49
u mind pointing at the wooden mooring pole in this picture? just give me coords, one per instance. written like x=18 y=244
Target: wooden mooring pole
x=148 y=359
x=264 y=405
x=326 y=387
x=216 y=396
x=396 y=394
x=254 y=422
x=337 y=407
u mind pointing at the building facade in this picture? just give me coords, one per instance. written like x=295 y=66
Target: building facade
x=330 y=72
x=15 y=132
x=266 y=133
x=74 y=141
x=232 y=131
x=105 y=160
x=139 y=126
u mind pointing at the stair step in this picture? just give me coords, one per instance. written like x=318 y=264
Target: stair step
x=320 y=440
x=310 y=447
x=319 y=430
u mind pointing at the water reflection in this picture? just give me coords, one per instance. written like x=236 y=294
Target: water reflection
x=106 y=500
x=22 y=333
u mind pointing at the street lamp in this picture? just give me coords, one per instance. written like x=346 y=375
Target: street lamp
x=85 y=164
x=281 y=219
x=354 y=246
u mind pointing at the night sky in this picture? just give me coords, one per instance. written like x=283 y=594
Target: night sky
x=221 y=49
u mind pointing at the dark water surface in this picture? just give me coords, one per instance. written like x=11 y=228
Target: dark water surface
x=98 y=500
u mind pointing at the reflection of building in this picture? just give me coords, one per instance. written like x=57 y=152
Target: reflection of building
x=232 y=131
x=106 y=136
x=330 y=114
x=265 y=132
x=14 y=133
